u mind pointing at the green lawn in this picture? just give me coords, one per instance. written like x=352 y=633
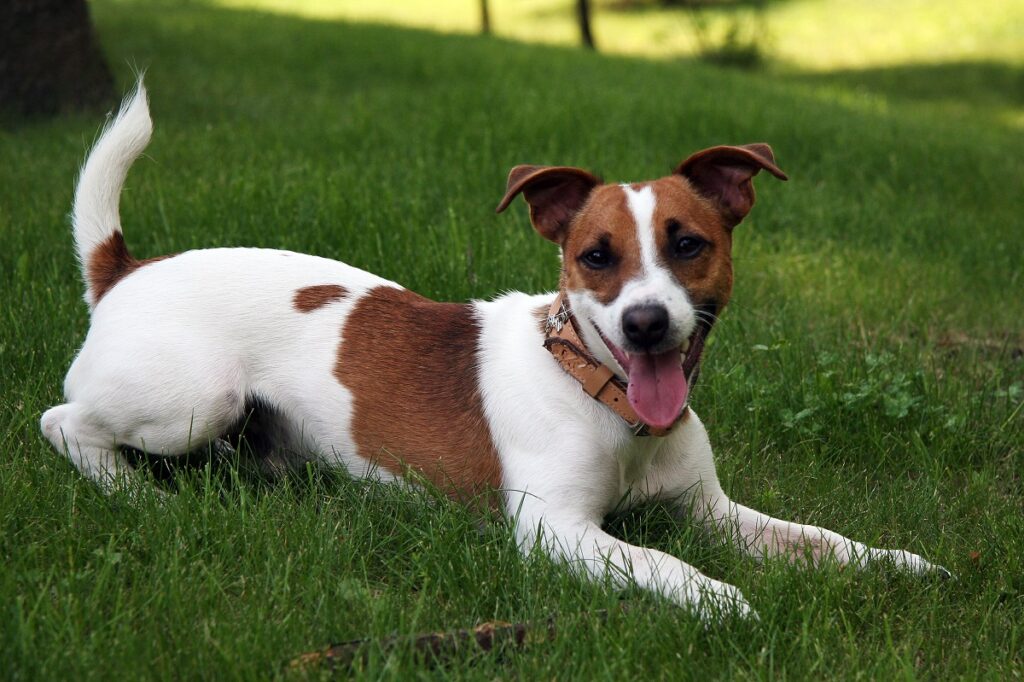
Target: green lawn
x=965 y=56
x=868 y=375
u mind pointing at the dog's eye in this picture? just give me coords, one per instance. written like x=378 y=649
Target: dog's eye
x=689 y=247
x=597 y=259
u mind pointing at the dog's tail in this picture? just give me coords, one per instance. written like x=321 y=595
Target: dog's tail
x=95 y=216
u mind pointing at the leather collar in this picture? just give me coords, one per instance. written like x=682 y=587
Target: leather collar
x=598 y=380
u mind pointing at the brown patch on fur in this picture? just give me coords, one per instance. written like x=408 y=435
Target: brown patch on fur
x=604 y=222
x=109 y=263
x=708 y=277
x=308 y=299
x=411 y=365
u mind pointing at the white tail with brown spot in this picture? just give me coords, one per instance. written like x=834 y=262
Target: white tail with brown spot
x=96 y=216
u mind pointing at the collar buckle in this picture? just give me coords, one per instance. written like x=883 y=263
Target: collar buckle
x=558 y=320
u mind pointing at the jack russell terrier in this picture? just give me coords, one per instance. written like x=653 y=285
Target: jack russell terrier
x=563 y=406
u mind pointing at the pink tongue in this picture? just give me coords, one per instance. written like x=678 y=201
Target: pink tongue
x=657 y=387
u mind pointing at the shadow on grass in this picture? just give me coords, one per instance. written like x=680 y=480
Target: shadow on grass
x=660 y=7
x=976 y=85
x=971 y=84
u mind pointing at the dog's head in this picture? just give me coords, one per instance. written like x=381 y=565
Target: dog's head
x=647 y=266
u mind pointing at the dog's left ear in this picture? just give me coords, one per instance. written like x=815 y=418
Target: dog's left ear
x=555 y=195
x=723 y=174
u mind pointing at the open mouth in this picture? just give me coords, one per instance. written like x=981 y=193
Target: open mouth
x=659 y=383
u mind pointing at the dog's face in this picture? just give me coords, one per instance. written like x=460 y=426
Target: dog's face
x=647 y=266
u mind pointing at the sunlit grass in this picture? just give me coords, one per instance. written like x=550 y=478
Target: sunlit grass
x=809 y=34
x=961 y=58
x=829 y=34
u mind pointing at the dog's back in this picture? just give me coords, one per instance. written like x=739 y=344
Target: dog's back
x=179 y=347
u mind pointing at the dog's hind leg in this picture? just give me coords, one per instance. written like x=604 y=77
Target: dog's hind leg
x=116 y=410
x=87 y=443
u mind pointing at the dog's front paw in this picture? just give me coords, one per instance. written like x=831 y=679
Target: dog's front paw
x=915 y=564
x=714 y=601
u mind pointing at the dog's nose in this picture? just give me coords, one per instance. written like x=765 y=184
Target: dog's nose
x=645 y=325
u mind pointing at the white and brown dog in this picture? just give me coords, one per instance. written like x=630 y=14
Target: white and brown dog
x=562 y=405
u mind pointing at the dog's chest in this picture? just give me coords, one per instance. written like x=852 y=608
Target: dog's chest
x=629 y=466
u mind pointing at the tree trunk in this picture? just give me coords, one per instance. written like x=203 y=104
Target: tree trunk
x=583 y=12
x=50 y=61
x=485 y=18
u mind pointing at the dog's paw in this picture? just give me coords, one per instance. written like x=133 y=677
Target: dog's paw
x=714 y=601
x=915 y=564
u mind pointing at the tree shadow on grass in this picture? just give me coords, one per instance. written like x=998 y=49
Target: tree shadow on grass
x=657 y=7
x=974 y=85
x=646 y=6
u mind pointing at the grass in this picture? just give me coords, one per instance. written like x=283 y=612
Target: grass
x=867 y=377
x=962 y=57
x=818 y=34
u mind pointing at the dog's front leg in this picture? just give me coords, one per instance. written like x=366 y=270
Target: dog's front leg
x=586 y=548
x=764 y=536
x=687 y=476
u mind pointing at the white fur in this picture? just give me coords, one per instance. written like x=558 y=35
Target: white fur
x=95 y=214
x=191 y=338
x=654 y=284
x=641 y=204
x=176 y=346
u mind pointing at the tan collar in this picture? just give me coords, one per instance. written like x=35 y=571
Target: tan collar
x=598 y=380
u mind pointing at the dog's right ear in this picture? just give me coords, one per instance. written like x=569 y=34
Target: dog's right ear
x=555 y=194
x=724 y=174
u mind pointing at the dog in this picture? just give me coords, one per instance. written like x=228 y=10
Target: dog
x=561 y=406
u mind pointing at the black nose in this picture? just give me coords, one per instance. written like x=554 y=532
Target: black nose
x=645 y=325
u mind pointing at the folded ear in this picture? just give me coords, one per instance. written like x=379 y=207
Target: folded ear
x=555 y=194
x=723 y=174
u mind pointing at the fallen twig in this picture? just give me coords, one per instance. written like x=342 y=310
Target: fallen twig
x=436 y=647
